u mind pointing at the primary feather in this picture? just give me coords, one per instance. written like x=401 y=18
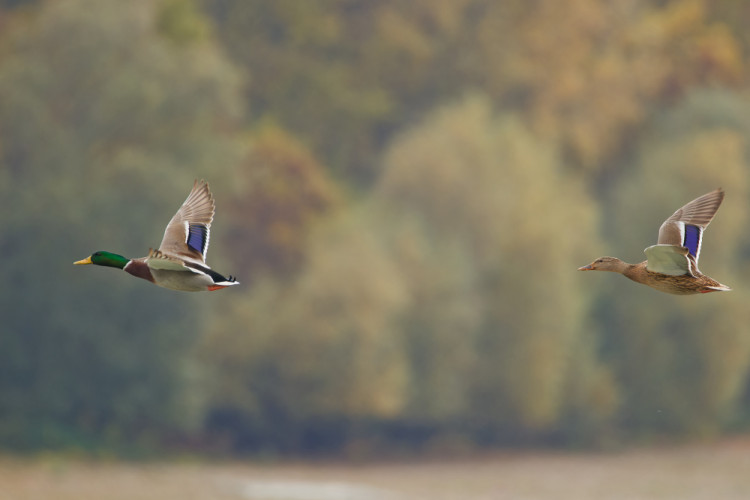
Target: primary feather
x=188 y=232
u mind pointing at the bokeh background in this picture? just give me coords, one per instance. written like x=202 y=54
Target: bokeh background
x=405 y=191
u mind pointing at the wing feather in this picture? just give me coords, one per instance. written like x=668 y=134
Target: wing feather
x=188 y=233
x=685 y=227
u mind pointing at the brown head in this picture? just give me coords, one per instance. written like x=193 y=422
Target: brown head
x=606 y=264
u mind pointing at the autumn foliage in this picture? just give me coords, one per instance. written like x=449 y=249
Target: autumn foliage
x=404 y=189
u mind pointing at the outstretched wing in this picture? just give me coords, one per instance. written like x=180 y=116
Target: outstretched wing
x=685 y=227
x=188 y=233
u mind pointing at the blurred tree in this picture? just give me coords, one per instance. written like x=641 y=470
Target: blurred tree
x=182 y=22
x=281 y=191
x=332 y=356
x=303 y=63
x=104 y=123
x=590 y=80
x=440 y=302
x=731 y=16
x=443 y=313
x=584 y=73
x=487 y=184
x=13 y=4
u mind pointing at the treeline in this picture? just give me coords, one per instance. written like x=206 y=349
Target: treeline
x=404 y=190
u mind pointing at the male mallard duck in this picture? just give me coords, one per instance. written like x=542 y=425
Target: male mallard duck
x=180 y=261
x=672 y=264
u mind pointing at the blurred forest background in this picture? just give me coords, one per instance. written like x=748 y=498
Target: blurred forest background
x=405 y=191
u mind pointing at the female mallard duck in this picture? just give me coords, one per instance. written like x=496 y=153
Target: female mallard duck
x=180 y=261
x=672 y=264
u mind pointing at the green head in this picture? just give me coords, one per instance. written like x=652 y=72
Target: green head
x=108 y=259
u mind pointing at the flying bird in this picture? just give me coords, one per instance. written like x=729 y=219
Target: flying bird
x=672 y=264
x=180 y=261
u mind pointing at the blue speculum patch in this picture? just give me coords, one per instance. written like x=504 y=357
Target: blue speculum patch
x=197 y=234
x=692 y=239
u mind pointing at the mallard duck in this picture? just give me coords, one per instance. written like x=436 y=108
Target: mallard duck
x=672 y=264
x=180 y=261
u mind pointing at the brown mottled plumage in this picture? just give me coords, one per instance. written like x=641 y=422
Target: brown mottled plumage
x=672 y=264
